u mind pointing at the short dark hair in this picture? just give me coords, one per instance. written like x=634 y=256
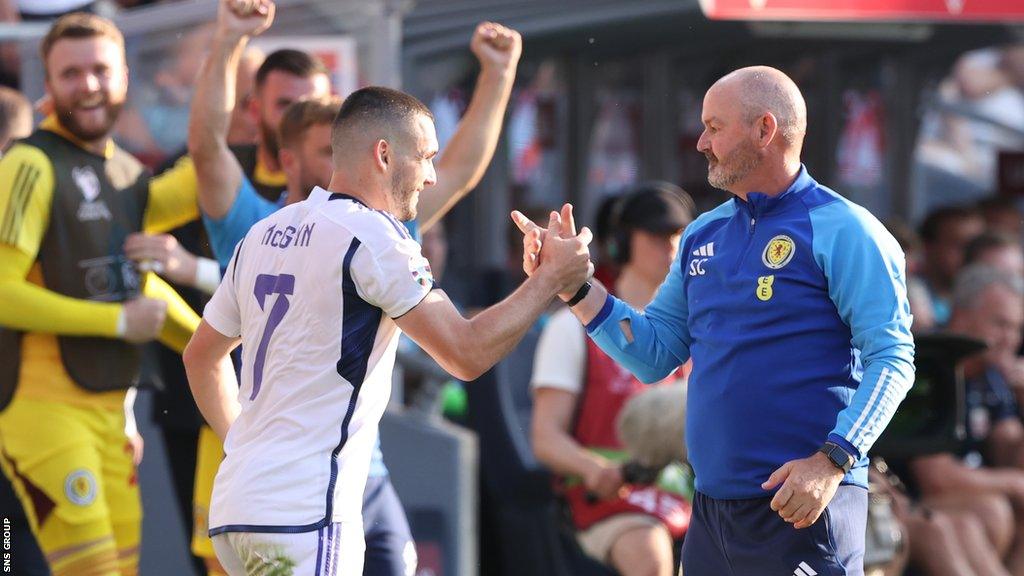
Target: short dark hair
x=302 y=115
x=376 y=104
x=977 y=247
x=79 y=25
x=933 y=223
x=294 y=62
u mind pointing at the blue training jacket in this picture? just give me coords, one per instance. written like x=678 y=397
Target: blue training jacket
x=794 y=310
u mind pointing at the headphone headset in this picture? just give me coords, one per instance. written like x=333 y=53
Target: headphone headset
x=619 y=245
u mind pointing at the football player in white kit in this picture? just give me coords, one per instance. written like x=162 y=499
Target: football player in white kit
x=317 y=294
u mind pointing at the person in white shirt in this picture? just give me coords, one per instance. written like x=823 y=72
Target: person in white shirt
x=579 y=392
x=318 y=294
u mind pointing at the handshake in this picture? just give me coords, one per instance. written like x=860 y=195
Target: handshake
x=556 y=254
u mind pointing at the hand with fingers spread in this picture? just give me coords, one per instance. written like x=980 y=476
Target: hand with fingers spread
x=808 y=486
x=557 y=250
x=241 y=18
x=533 y=235
x=496 y=47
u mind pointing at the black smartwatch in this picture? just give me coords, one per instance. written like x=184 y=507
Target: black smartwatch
x=580 y=294
x=838 y=456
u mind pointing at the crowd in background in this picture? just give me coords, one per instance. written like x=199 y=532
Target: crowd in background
x=972 y=116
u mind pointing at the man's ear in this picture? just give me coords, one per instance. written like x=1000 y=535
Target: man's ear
x=382 y=155
x=767 y=127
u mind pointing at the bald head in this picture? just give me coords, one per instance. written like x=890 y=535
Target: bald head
x=761 y=90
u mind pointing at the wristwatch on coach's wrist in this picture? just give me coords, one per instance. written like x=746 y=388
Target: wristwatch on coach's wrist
x=838 y=456
x=580 y=294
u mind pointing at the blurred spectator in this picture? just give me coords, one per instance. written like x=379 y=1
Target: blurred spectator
x=607 y=269
x=434 y=244
x=945 y=233
x=15 y=117
x=1013 y=64
x=935 y=537
x=997 y=250
x=909 y=241
x=987 y=482
x=47 y=9
x=978 y=113
x=155 y=123
x=1001 y=214
x=579 y=391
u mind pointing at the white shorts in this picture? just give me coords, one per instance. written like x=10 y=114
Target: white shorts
x=335 y=550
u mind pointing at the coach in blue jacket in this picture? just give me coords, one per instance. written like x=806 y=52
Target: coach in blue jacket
x=792 y=303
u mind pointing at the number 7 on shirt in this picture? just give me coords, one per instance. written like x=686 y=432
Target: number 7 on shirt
x=266 y=284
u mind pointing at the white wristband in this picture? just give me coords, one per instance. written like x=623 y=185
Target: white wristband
x=207 y=275
x=130 y=427
x=122 y=323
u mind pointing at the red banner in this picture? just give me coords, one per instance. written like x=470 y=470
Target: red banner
x=872 y=10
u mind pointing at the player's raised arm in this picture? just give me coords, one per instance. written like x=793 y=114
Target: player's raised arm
x=468 y=348
x=218 y=171
x=469 y=152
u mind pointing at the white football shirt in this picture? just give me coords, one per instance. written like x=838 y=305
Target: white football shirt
x=312 y=290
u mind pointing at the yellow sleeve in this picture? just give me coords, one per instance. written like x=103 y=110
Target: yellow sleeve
x=26 y=192
x=32 y=308
x=173 y=198
x=181 y=321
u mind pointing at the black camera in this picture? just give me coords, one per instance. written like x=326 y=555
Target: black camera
x=932 y=417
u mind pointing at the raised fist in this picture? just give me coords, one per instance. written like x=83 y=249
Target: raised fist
x=496 y=47
x=244 y=17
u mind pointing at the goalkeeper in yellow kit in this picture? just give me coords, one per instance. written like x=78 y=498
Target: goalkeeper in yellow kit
x=74 y=307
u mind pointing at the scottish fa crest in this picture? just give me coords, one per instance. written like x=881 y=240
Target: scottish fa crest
x=778 y=252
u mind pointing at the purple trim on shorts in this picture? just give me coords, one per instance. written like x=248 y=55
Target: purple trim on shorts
x=337 y=550
x=319 y=549
x=330 y=548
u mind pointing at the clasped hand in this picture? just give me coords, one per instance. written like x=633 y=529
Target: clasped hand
x=557 y=250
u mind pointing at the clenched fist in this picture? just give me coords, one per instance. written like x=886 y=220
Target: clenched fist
x=143 y=319
x=496 y=47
